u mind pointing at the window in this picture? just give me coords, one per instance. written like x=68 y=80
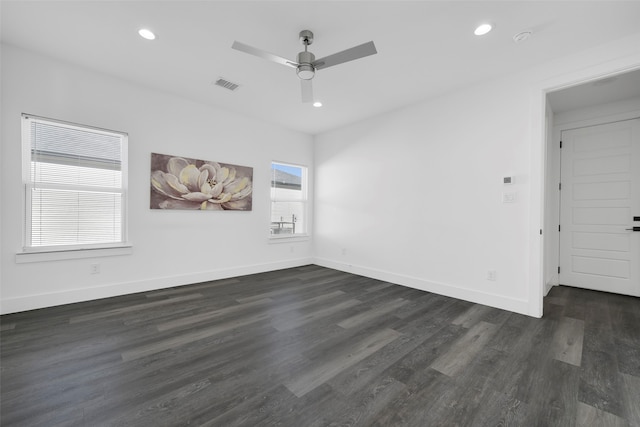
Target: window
x=288 y=200
x=75 y=180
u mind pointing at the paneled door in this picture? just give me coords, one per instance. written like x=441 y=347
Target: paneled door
x=600 y=206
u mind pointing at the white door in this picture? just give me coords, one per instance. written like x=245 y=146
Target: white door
x=600 y=196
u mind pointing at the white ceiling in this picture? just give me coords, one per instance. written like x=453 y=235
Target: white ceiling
x=425 y=48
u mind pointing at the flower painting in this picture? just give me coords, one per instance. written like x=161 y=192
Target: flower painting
x=183 y=183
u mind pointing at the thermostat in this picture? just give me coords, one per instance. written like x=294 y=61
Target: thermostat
x=507 y=180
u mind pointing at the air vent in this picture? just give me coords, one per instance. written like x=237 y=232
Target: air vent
x=226 y=84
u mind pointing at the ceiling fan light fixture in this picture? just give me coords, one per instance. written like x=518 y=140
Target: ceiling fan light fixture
x=306 y=71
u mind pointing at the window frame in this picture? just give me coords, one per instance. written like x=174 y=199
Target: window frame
x=32 y=253
x=304 y=184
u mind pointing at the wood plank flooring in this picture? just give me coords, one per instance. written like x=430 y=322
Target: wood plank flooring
x=311 y=346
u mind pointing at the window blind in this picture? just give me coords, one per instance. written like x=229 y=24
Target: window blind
x=287 y=182
x=75 y=185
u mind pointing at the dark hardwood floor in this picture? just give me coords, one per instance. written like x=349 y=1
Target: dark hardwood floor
x=311 y=346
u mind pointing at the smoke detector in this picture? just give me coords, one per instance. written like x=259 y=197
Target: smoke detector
x=522 y=36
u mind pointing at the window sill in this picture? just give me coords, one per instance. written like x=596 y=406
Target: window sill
x=26 y=257
x=289 y=238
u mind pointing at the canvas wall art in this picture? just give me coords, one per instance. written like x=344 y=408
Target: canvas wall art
x=184 y=183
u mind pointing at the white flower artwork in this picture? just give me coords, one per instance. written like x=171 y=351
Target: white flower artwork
x=183 y=183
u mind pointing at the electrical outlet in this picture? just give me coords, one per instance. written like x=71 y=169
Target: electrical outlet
x=344 y=251
x=95 y=268
x=491 y=275
x=292 y=249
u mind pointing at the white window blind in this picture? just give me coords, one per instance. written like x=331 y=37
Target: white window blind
x=75 y=186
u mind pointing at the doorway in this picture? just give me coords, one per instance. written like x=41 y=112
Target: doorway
x=596 y=175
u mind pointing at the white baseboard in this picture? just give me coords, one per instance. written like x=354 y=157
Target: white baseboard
x=32 y=302
x=550 y=283
x=498 y=301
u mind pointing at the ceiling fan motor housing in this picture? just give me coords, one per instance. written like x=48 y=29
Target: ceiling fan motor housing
x=306 y=70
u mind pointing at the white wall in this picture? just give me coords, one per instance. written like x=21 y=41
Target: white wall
x=597 y=113
x=169 y=247
x=414 y=197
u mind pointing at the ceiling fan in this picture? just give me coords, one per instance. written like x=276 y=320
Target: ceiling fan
x=306 y=63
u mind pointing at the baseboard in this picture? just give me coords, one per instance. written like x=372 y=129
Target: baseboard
x=498 y=301
x=550 y=283
x=547 y=288
x=32 y=302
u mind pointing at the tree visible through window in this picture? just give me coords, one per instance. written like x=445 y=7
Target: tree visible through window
x=288 y=200
x=75 y=186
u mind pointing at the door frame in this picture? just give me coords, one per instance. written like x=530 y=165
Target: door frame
x=539 y=168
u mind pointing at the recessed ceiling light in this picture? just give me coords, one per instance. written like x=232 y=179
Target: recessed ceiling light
x=317 y=104
x=482 y=29
x=146 y=34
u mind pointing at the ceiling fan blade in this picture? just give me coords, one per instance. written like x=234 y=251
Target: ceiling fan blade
x=262 y=54
x=307 y=91
x=356 y=52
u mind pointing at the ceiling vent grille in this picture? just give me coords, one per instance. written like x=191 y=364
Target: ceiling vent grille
x=226 y=84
